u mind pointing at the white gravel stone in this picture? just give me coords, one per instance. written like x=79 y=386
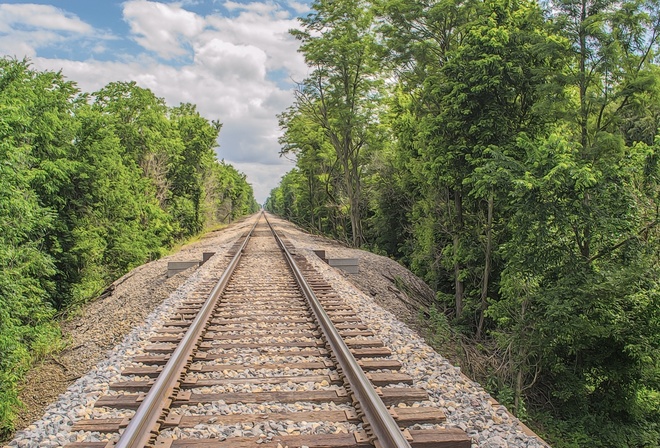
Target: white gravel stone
x=55 y=426
x=466 y=404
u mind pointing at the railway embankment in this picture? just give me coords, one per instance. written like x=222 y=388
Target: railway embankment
x=109 y=332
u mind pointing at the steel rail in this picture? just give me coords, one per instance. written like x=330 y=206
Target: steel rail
x=138 y=433
x=384 y=428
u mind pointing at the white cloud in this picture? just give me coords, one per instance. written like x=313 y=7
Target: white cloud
x=229 y=61
x=265 y=32
x=298 y=7
x=41 y=16
x=28 y=27
x=24 y=44
x=162 y=28
x=229 y=74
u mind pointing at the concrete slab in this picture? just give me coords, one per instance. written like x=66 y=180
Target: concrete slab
x=349 y=265
x=174 y=267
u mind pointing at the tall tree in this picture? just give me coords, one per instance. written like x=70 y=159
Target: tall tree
x=496 y=86
x=584 y=232
x=110 y=219
x=26 y=328
x=342 y=92
x=140 y=120
x=479 y=75
x=191 y=166
x=321 y=178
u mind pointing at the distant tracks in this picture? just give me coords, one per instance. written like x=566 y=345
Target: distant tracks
x=269 y=355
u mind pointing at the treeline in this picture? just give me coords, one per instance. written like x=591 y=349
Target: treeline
x=508 y=152
x=91 y=186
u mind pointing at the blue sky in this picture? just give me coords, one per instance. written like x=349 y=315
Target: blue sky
x=234 y=59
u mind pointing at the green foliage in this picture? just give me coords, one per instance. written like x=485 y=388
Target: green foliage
x=92 y=186
x=514 y=166
x=229 y=195
x=25 y=269
x=441 y=330
x=193 y=163
x=340 y=96
x=313 y=194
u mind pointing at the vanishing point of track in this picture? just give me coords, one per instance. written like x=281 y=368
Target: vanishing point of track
x=272 y=339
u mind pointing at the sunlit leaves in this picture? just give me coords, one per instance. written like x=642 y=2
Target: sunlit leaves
x=90 y=187
x=25 y=269
x=520 y=177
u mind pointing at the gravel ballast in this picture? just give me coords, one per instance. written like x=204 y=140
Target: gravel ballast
x=467 y=405
x=148 y=297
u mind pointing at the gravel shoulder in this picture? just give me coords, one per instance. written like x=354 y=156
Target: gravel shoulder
x=388 y=283
x=100 y=325
x=396 y=320
x=388 y=297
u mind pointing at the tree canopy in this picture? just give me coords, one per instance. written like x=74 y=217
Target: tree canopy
x=512 y=163
x=91 y=186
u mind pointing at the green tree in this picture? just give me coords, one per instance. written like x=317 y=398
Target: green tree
x=140 y=120
x=320 y=185
x=110 y=218
x=582 y=330
x=613 y=45
x=478 y=79
x=228 y=194
x=26 y=329
x=342 y=92
x=191 y=166
x=45 y=135
x=591 y=214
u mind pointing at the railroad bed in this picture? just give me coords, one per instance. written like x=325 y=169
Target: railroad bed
x=263 y=371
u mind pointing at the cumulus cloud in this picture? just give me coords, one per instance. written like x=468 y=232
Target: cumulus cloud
x=298 y=7
x=162 y=28
x=28 y=27
x=229 y=61
x=235 y=70
x=45 y=17
x=265 y=32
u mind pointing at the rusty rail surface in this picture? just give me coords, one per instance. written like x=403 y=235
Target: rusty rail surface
x=312 y=320
x=139 y=431
x=382 y=424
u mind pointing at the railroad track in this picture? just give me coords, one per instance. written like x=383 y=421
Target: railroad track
x=266 y=355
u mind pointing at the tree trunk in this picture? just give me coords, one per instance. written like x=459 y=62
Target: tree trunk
x=356 y=212
x=312 y=205
x=352 y=181
x=519 y=365
x=487 y=266
x=518 y=391
x=458 y=283
x=584 y=113
x=356 y=222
